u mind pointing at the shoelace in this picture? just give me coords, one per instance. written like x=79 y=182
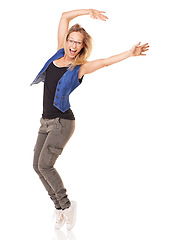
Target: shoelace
x=57 y=215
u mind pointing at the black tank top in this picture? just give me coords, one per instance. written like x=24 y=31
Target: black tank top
x=53 y=75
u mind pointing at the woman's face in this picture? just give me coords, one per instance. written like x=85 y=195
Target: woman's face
x=74 y=44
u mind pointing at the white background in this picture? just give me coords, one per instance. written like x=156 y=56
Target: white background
x=128 y=163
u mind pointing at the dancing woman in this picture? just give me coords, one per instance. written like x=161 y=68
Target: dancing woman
x=61 y=74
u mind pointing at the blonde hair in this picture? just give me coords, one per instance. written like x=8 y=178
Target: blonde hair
x=85 y=52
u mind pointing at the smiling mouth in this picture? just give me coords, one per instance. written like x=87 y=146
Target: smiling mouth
x=72 y=51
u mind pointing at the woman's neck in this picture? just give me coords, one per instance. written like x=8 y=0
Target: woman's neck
x=67 y=59
x=64 y=61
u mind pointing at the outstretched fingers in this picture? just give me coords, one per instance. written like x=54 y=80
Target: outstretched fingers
x=101 y=17
x=138 y=44
x=95 y=14
x=144 y=48
x=104 y=18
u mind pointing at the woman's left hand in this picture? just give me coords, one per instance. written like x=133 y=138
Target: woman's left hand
x=138 y=50
x=95 y=14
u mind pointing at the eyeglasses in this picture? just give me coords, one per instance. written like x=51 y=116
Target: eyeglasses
x=71 y=42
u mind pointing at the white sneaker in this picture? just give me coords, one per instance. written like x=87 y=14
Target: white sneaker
x=70 y=215
x=59 y=219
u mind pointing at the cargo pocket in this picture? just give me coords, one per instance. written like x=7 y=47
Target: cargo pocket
x=55 y=150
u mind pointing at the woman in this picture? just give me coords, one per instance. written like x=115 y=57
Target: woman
x=61 y=74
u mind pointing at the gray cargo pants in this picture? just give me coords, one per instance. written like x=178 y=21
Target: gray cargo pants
x=52 y=137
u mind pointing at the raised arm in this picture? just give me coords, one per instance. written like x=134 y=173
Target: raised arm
x=68 y=16
x=92 y=66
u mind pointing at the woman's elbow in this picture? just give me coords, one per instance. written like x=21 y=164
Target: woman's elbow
x=64 y=16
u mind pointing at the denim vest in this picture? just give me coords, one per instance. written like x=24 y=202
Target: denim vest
x=67 y=83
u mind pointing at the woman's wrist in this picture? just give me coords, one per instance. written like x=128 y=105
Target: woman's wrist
x=129 y=53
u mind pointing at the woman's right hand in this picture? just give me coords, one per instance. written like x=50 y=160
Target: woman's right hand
x=95 y=14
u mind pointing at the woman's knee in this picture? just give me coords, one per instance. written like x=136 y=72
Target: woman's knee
x=36 y=168
x=35 y=162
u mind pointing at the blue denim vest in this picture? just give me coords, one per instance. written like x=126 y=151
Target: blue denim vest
x=67 y=83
